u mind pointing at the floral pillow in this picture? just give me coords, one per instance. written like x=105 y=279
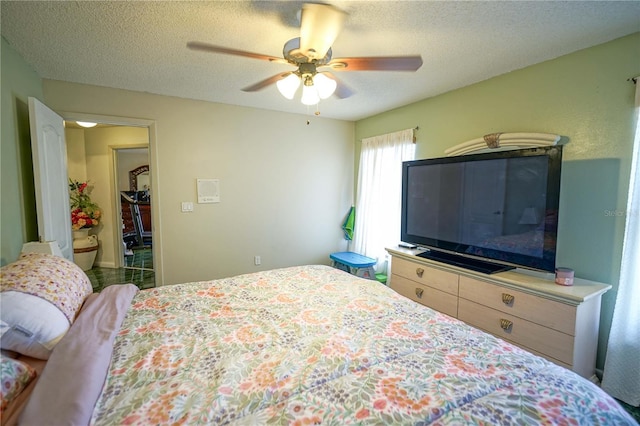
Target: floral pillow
x=15 y=376
x=40 y=297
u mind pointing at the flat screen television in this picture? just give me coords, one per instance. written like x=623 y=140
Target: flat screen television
x=487 y=212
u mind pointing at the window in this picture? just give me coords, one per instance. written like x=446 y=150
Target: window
x=621 y=378
x=377 y=223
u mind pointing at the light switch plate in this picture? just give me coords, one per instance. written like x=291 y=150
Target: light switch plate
x=187 y=206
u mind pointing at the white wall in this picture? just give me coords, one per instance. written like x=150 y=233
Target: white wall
x=76 y=161
x=285 y=185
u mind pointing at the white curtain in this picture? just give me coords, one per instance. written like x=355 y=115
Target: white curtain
x=379 y=193
x=621 y=377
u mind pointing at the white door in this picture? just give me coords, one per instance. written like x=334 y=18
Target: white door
x=49 y=152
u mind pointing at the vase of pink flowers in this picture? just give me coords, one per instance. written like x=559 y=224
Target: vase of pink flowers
x=85 y=214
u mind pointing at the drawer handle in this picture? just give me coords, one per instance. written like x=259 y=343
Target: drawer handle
x=419 y=292
x=507 y=299
x=506 y=325
x=419 y=272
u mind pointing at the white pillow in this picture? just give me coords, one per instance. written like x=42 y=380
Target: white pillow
x=33 y=325
x=40 y=297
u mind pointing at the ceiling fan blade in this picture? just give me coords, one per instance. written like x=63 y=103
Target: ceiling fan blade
x=206 y=47
x=342 y=90
x=382 y=63
x=320 y=25
x=266 y=82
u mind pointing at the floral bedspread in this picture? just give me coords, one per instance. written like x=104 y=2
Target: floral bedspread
x=314 y=345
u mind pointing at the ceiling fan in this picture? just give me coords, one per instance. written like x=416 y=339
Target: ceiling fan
x=320 y=25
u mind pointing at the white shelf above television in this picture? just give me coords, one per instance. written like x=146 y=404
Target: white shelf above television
x=495 y=141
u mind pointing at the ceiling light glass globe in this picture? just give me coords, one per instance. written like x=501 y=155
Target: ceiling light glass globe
x=309 y=95
x=325 y=85
x=288 y=85
x=86 y=124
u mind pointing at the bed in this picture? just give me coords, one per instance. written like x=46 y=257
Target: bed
x=299 y=345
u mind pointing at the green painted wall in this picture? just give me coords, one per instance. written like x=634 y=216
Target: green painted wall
x=583 y=96
x=18 y=222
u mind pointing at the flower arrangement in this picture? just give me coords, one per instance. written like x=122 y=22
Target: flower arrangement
x=84 y=212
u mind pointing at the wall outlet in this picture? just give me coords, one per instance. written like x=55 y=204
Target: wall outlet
x=257 y=260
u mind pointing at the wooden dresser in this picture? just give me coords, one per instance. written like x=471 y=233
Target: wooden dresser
x=127 y=218
x=556 y=322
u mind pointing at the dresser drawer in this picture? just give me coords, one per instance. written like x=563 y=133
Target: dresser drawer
x=547 y=357
x=425 y=295
x=549 y=313
x=546 y=341
x=432 y=277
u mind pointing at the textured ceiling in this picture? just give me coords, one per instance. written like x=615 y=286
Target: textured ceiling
x=139 y=45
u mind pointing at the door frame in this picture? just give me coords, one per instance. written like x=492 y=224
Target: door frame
x=113 y=154
x=156 y=223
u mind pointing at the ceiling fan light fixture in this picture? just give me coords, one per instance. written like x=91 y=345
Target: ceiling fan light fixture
x=309 y=95
x=86 y=124
x=325 y=85
x=288 y=86
x=320 y=25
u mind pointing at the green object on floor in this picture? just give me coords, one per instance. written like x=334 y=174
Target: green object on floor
x=382 y=278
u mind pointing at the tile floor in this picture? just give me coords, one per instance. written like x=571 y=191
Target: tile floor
x=139 y=271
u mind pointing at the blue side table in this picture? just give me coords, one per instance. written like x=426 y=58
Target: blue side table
x=354 y=263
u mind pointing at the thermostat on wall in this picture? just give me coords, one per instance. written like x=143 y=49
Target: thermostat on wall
x=208 y=191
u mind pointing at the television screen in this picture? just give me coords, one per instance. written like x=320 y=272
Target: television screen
x=500 y=206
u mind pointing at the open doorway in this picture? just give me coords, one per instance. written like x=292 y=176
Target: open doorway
x=134 y=194
x=94 y=151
